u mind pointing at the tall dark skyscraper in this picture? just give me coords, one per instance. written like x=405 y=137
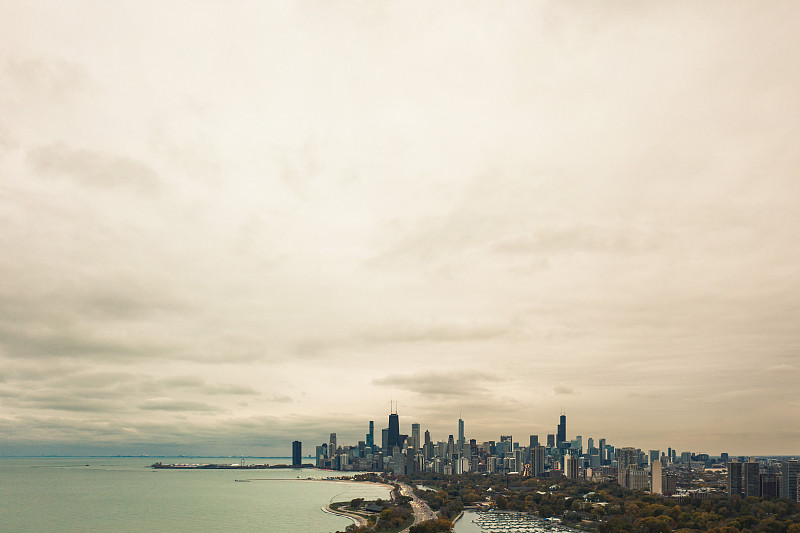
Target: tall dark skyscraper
x=394 y=431
x=297 y=453
x=371 y=434
x=734 y=478
x=751 y=477
x=561 y=435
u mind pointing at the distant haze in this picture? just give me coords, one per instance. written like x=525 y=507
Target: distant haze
x=225 y=226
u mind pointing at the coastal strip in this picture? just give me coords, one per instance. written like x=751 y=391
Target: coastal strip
x=357 y=519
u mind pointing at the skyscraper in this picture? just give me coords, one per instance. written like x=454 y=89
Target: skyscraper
x=460 y=434
x=789 y=471
x=734 y=478
x=297 y=453
x=571 y=466
x=656 y=474
x=752 y=478
x=534 y=441
x=653 y=455
x=561 y=434
x=332 y=446
x=537 y=460
x=428 y=446
x=394 y=431
x=627 y=458
x=415 y=436
x=371 y=434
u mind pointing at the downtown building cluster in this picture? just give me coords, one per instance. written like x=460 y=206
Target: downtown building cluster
x=657 y=471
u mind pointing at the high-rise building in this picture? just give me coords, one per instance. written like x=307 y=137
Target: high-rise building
x=789 y=471
x=654 y=455
x=537 y=460
x=636 y=478
x=371 y=434
x=770 y=485
x=601 y=449
x=460 y=434
x=751 y=476
x=577 y=444
x=551 y=440
x=561 y=434
x=571 y=466
x=394 y=431
x=734 y=478
x=519 y=459
x=297 y=453
x=669 y=483
x=332 y=446
x=534 y=441
x=428 y=445
x=594 y=458
x=506 y=446
x=415 y=436
x=385 y=441
x=656 y=477
x=628 y=457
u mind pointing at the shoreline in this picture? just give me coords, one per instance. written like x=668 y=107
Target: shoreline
x=388 y=487
x=357 y=519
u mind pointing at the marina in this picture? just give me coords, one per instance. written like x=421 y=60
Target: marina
x=508 y=522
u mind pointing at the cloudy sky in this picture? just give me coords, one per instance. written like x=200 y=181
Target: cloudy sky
x=228 y=225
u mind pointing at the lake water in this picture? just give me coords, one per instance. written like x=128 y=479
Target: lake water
x=125 y=495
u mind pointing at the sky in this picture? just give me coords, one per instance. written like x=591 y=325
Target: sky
x=225 y=226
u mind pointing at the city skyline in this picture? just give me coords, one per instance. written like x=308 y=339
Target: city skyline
x=522 y=437
x=226 y=228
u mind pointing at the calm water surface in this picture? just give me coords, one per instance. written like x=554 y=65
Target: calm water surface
x=125 y=495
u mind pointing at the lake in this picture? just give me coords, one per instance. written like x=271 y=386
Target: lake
x=125 y=495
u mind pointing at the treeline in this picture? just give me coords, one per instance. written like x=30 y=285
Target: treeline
x=432 y=526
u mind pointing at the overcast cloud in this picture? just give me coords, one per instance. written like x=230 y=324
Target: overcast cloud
x=227 y=226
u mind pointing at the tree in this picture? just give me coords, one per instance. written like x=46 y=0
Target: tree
x=501 y=503
x=652 y=524
x=356 y=503
x=432 y=526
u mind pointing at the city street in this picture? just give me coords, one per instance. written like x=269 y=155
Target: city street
x=421 y=510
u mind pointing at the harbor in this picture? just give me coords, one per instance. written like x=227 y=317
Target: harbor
x=507 y=522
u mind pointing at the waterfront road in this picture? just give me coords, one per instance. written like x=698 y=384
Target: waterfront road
x=421 y=510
